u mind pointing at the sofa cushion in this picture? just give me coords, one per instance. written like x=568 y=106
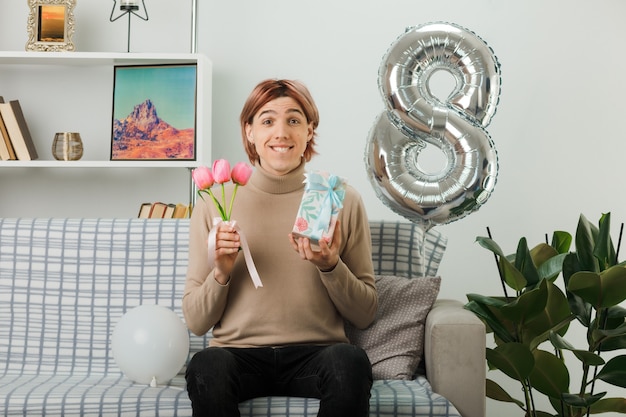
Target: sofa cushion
x=394 y=342
x=405 y=249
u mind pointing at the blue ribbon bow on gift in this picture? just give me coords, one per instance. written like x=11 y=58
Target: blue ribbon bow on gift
x=333 y=187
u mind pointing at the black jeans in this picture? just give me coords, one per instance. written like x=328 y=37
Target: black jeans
x=339 y=375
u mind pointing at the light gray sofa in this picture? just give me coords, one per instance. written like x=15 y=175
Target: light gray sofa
x=65 y=283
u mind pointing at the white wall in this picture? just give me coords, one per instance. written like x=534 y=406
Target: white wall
x=557 y=130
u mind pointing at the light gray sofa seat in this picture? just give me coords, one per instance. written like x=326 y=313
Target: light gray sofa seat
x=65 y=283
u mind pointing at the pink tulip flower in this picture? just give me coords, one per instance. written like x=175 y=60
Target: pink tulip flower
x=221 y=171
x=241 y=173
x=203 y=178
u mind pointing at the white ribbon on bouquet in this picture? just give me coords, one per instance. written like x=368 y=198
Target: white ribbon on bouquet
x=254 y=275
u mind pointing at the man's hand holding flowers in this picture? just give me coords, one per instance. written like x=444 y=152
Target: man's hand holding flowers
x=225 y=240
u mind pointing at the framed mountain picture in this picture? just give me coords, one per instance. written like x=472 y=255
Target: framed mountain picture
x=154 y=112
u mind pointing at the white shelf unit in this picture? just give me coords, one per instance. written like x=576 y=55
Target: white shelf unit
x=73 y=91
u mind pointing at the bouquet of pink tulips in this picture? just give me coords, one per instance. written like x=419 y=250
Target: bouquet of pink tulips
x=205 y=178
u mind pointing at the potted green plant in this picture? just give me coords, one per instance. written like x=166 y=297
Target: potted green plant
x=529 y=326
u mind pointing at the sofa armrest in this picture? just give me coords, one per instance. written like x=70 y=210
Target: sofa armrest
x=454 y=350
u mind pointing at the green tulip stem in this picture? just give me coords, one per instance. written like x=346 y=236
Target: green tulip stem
x=232 y=200
x=217 y=203
x=224 y=215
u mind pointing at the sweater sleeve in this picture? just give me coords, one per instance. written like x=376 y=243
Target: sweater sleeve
x=204 y=299
x=351 y=284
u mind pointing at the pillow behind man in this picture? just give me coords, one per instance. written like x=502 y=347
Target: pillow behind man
x=406 y=260
x=394 y=342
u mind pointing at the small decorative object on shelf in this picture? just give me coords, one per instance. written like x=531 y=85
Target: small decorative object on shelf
x=129 y=7
x=50 y=25
x=67 y=146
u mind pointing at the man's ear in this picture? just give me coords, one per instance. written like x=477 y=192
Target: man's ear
x=249 y=135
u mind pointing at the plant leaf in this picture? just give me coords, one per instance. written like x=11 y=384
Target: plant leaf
x=607 y=405
x=552 y=267
x=479 y=305
x=614 y=331
x=601 y=290
x=514 y=359
x=524 y=263
x=486 y=300
x=577 y=305
x=586 y=234
x=549 y=375
x=609 y=333
x=511 y=275
x=586 y=357
x=616 y=312
x=555 y=316
x=539 y=339
x=527 y=305
x=490 y=244
x=561 y=241
x=560 y=407
x=604 y=250
x=577 y=401
x=496 y=392
x=541 y=253
x=614 y=372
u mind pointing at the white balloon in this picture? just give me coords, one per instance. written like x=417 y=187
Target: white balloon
x=150 y=344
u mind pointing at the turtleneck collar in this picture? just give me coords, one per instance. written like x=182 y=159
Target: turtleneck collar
x=278 y=184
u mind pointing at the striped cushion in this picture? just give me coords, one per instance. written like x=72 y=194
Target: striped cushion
x=403 y=249
x=64 y=284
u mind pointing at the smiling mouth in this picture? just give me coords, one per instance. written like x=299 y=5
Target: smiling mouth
x=281 y=148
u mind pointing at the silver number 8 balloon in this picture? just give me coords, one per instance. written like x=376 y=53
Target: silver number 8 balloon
x=414 y=117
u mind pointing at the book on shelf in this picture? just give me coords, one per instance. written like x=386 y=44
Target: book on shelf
x=159 y=210
x=169 y=211
x=17 y=129
x=144 y=211
x=181 y=211
x=6 y=148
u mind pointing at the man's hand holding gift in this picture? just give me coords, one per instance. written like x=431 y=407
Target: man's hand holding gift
x=325 y=256
x=314 y=235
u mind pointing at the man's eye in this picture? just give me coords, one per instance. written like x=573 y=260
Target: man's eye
x=266 y=122
x=294 y=121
